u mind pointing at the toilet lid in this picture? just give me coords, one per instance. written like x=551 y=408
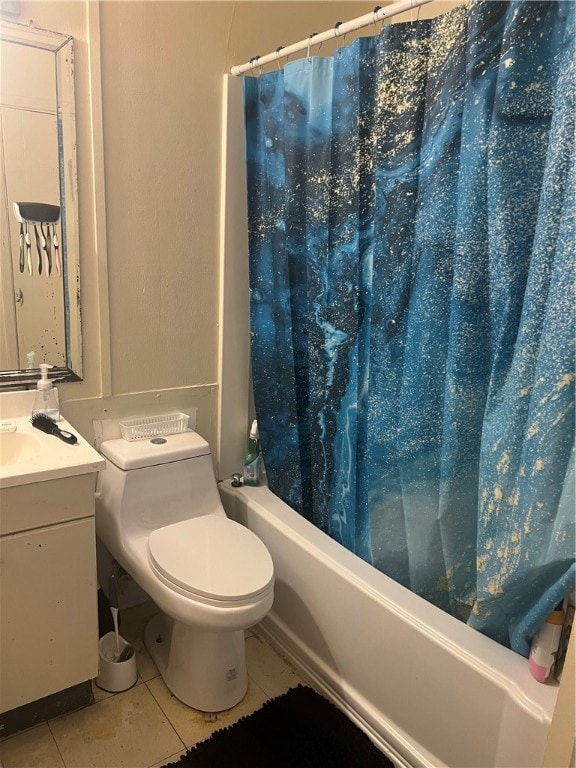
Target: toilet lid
x=211 y=556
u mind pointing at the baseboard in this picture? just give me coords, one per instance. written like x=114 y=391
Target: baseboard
x=46 y=708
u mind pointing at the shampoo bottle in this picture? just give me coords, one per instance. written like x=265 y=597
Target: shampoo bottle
x=46 y=400
x=544 y=648
x=252 y=457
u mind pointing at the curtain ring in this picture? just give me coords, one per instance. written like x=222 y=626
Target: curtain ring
x=374 y=12
x=337 y=33
x=280 y=47
x=310 y=36
x=417 y=15
x=253 y=62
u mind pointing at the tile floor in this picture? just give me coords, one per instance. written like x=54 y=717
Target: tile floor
x=144 y=727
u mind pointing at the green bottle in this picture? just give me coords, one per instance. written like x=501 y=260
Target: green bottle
x=252 y=457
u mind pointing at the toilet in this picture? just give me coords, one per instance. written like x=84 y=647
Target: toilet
x=159 y=514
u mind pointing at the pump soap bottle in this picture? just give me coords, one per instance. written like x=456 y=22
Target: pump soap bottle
x=252 y=457
x=46 y=399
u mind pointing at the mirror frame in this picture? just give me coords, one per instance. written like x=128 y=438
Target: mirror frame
x=62 y=46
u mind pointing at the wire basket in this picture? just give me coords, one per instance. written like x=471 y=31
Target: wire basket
x=154 y=426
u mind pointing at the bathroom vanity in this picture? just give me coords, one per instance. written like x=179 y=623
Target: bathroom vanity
x=48 y=584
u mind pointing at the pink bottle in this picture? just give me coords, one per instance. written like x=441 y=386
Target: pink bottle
x=545 y=644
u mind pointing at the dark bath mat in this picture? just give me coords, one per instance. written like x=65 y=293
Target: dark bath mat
x=299 y=729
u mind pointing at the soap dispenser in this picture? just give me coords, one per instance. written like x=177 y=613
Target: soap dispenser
x=46 y=399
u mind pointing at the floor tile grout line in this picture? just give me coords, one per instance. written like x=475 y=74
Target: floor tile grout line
x=166 y=714
x=56 y=743
x=161 y=708
x=257 y=685
x=173 y=757
x=113 y=695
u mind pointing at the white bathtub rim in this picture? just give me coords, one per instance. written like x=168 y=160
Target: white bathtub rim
x=486 y=655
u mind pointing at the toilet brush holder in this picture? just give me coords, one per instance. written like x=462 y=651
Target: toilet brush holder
x=115 y=676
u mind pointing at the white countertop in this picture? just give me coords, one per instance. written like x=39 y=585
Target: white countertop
x=28 y=455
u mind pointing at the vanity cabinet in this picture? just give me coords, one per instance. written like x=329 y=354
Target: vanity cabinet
x=48 y=589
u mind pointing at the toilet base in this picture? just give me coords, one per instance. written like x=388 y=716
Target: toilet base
x=205 y=670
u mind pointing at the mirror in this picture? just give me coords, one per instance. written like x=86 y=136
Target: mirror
x=39 y=267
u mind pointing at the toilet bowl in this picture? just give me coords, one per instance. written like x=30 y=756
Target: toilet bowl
x=158 y=512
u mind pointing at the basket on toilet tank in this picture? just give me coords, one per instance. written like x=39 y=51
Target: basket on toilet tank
x=153 y=426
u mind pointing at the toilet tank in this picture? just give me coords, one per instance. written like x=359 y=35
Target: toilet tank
x=155 y=482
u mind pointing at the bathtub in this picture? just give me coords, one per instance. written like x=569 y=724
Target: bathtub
x=429 y=690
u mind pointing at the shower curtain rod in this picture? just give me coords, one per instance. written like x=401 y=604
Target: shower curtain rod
x=338 y=30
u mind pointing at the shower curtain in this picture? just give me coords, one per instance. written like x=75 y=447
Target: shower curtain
x=411 y=233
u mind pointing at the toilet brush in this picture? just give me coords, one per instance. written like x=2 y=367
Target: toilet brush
x=128 y=650
x=113 y=600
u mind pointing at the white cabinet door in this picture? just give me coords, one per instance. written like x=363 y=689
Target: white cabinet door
x=48 y=611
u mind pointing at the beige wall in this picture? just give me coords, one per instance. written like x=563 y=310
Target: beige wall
x=150 y=94
x=148 y=91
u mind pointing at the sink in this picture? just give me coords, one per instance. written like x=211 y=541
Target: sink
x=28 y=455
x=17 y=446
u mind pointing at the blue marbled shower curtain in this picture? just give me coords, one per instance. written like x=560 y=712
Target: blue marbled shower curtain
x=411 y=225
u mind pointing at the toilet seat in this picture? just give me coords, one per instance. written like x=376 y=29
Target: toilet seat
x=211 y=558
